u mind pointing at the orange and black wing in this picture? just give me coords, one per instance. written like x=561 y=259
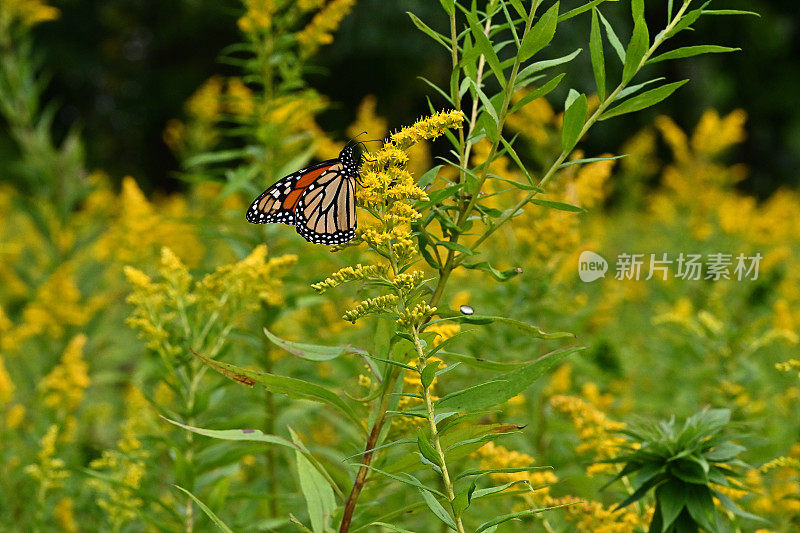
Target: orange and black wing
x=278 y=203
x=326 y=211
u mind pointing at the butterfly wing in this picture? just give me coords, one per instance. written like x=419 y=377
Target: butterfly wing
x=325 y=212
x=278 y=203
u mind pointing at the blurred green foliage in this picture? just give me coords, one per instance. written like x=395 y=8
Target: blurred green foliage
x=121 y=69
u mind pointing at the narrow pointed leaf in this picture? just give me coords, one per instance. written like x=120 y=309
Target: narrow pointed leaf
x=320 y=501
x=591 y=160
x=292 y=387
x=644 y=100
x=214 y=518
x=574 y=119
x=537 y=93
x=616 y=44
x=637 y=48
x=503 y=387
x=437 y=509
x=312 y=352
x=561 y=206
x=691 y=51
x=578 y=10
x=540 y=34
x=598 y=57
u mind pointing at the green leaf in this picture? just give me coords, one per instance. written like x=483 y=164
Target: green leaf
x=391 y=527
x=687 y=20
x=523 y=327
x=436 y=36
x=503 y=387
x=483 y=471
x=616 y=44
x=429 y=176
x=578 y=10
x=689 y=471
x=463 y=499
x=317 y=492
x=513 y=154
x=633 y=89
x=482 y=493
x=449 y=6
x=406 y=479
x=574 y=119
x=729 y=12
x=735 y=509
x=223 y=156
x=483 y=44
x=561 y=206
x=691 y=51
x=487 y=104
x=540 y=34
x=537 y=93
x=429 y=373
x=671 y=496
x=254 y=435
x=591 y=160
x=724 y=452
x=701 y=507
x=598 y=57
x=637 y=9
x=292 y=387
x=538 y=66
x=456 y=247
x=513 y=516
x=426 y=448
x=312 y=352
x=437 y=509
x=214 y=518
x=644 y=100
x=637 y=47
x=499 y=275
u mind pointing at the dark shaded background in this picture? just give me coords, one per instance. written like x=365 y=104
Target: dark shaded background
x=122 y=68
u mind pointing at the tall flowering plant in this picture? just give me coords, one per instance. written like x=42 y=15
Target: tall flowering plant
x=423 y=230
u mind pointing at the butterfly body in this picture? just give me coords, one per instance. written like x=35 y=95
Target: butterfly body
x=319 y=201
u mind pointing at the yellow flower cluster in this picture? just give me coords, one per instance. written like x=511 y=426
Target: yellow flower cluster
x=258 y=16
x=164 y=311
x=416 y=316
x=65 y=516
x=28 y=13
x=594 y=517
x=255 y=275
x=372 y=306
x=49 y=471
x=64 y=386
x=6 y=385
x=58 y=304
x=319 y=31
x=240 y=99
x=443 y=331
x=595 y=430
x=492 y=455
x=389 y=189
x=359 y=272
x=142 y=229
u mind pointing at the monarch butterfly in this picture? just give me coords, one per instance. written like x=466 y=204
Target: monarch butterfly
x=319 y=201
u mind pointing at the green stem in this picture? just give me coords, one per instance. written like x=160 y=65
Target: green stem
x=372 y=441
x=589 y=123
x=444 y=272
x=426 y=393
